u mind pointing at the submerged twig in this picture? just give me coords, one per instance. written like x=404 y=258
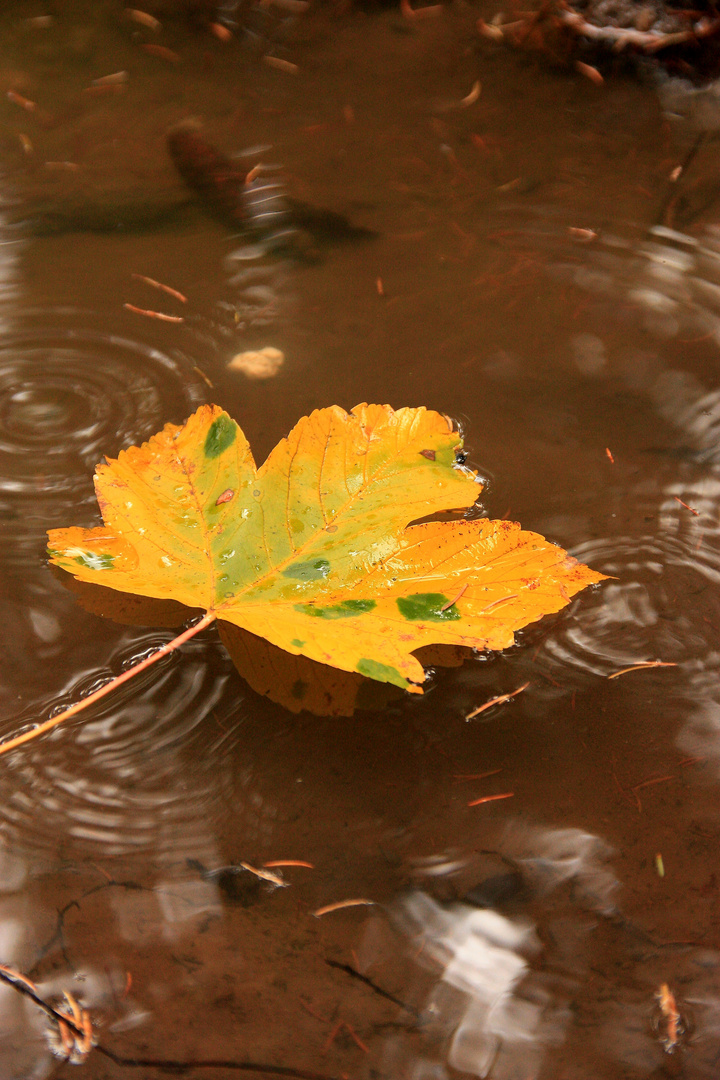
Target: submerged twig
x=374 y=986
x=27 y=736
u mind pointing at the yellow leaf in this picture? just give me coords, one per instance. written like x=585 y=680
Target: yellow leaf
x=315 y=551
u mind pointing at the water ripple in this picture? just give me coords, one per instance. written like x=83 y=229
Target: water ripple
x=636 y=617
x=129 y=778
x=69 y=393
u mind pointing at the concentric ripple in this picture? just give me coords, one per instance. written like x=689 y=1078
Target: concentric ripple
x=637 y=616
x=71 y=392
x=129 y=778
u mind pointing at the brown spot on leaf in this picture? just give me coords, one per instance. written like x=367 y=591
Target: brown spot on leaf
x=429 y=454
x=226 y=496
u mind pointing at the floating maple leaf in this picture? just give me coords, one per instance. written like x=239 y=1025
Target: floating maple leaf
x=314 y=551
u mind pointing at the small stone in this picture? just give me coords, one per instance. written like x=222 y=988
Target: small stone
x=258 y=364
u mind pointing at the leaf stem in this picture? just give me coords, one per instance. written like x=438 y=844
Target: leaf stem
x=107 y=687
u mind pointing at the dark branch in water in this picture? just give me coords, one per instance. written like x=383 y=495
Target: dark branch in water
x=164 y=1064
x=373 y=986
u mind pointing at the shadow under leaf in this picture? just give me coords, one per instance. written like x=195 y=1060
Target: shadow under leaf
x=295 y=682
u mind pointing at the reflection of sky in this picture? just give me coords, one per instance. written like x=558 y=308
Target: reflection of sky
x=511 y=990
x=492 y=1011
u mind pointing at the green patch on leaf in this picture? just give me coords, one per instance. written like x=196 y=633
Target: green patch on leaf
x=344 y=610
x=297 y=643
x=93 y=560
x=427 y=607
x=221 y=434
x=381 y=672
x=312 y=570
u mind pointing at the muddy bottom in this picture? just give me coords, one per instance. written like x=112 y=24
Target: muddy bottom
x=519 y=280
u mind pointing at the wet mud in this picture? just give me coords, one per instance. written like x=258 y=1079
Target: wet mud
x=565 y=925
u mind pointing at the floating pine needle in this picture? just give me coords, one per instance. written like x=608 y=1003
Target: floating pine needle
x=143 y=19
x=611 y=459
x=131 y=672
x=355 y=1037
x=639 y=667
x=582 y=236
x=472 y=97
x=204 y=377
x=498 y=701
x=70 y=1046
x=331 y=1037
x=692 y=511
x=492 y=798
x=281 y=65
x=288 y=862
x=161 y=52
x=159 y=285
x=265 y=875
x=23 y=102
x=220 y=32
x=430 y=12
x=451 y=603
x=154 y=314
x=589 y=72
x=340 y=905
x=117 y=78
x=496 y=603
x=476 y=776
x=649 y=783
x=671 y=1016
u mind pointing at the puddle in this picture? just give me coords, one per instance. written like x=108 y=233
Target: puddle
x=515 y=282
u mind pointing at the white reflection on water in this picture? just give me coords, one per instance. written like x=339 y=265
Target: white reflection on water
x=492 y=1010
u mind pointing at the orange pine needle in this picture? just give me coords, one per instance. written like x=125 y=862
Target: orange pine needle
x=455 y=598
x=476 y=776
x=355 y=1037
x=502 y=600
x=609 y=454
x=288 y=862
x=649 y=783
x=496 y=701
x=669 y=1010
x=340 y=905
x=27 y=736
x=492 y=798
x=332 y=1036
x=154 y=314
x=23 y=102
x=639 y=667
x=159 y=285
x=692 y=511
x=161 y=52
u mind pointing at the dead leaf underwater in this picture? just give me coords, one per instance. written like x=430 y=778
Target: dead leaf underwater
x=314 y=551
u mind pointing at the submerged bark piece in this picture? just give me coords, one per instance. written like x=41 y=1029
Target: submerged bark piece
x=258 y=206
x=207 y=172
x=314 y=551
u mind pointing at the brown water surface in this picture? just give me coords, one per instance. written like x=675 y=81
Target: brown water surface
x=522 y=938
